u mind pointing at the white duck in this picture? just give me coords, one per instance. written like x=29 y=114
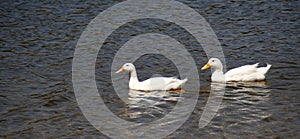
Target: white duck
x=156 y=83
x=244 y=73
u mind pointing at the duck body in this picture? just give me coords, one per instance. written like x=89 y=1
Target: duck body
x=245 y=73
x=152 y=84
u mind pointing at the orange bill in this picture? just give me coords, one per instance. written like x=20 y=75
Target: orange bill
x=206 y=66
x=120 y=70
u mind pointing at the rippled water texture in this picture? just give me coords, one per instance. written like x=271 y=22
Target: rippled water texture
x=38 y=40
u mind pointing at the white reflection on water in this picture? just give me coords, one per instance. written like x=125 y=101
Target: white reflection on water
x=150 y=103
x=213 y=103
x=244 y=104
x=248 y=92
x=149 y=99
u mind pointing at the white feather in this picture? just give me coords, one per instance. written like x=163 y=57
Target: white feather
x=244 y=73
x=155 y=83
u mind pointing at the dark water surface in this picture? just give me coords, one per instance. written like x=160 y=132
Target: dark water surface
x=38 y=39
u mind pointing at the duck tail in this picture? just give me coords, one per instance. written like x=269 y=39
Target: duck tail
x=264 y=70
x=268 y=67
x=184 y=81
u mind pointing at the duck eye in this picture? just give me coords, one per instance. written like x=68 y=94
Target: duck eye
x=213 y=61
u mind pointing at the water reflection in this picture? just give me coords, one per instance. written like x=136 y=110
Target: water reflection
x=244 y=105
x=235 y=103
x=248 y=92
x=150 y=104
x=217 y=91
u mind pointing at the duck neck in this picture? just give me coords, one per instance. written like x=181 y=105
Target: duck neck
x=218 y=75
x=133 y=77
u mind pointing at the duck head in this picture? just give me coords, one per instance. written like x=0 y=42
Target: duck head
x=127 y=67
x=213 y=63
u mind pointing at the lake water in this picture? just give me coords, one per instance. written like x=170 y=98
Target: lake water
x=38 y=40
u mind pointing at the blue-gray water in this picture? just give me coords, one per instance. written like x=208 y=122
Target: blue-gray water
x=38 y=39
